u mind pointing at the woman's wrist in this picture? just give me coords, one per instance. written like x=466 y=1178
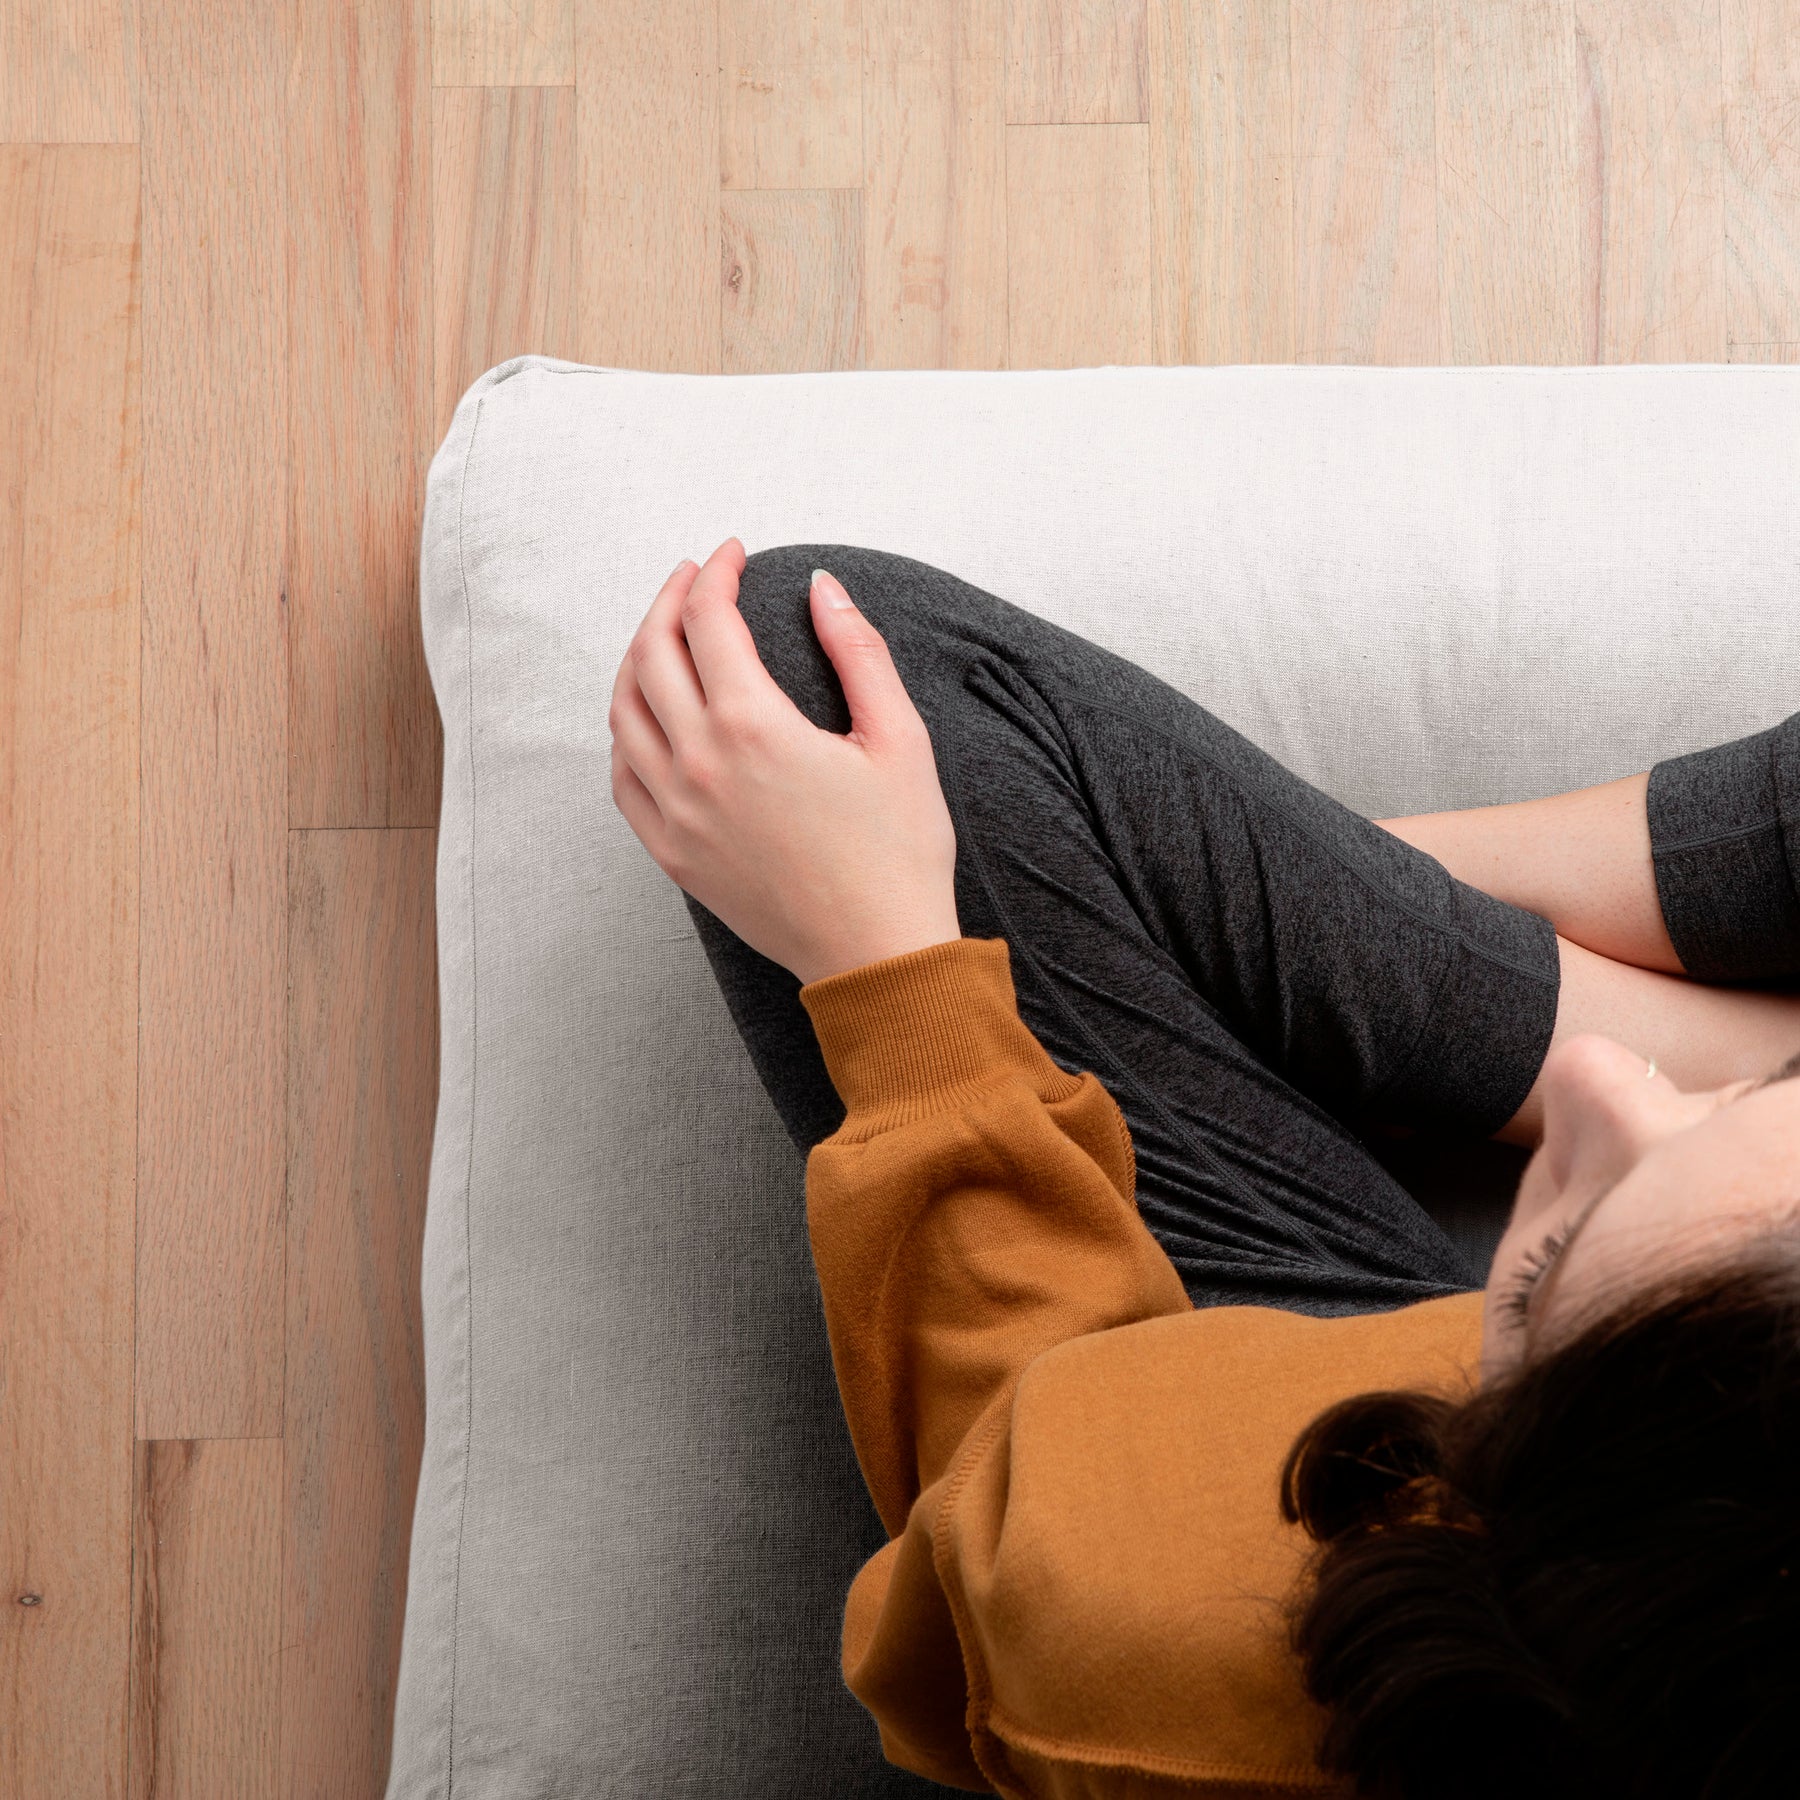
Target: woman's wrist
x=857 y=949
x=899 y=1031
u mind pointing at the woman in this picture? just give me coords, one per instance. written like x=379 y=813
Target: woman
x=1084 y=1009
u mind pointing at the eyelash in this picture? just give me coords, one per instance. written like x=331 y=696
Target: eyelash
x=1517 y=1297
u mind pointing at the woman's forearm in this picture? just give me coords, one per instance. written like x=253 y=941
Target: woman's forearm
x=1581 y=859
x=976 y=1206
x=975 y=1210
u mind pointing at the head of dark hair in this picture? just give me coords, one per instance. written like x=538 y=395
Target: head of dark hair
x=1583 y=1580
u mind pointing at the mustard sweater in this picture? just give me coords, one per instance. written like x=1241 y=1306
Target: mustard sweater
x=1083 y=1590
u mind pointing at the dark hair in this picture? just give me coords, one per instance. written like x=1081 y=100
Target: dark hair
x=1585 y=1579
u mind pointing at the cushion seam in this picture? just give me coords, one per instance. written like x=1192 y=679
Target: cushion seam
x=462 y=1516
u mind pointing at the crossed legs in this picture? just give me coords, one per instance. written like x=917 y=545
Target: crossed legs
x=1257 y=973
x=1582 y=860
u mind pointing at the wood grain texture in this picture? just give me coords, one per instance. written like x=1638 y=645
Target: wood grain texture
x=68 y=72
x=647 y=74
x=1325 y=180
x=1520 y=186
x=1761 y=69
x=214 y=839
x=1078 y=230
x=69 y=565
x=791 y=275
x=790 y=93
x=206 y=1617
x=502 y=43
x=364 y=743
x=1365 y=182
x=362 y=1096
x=1221 y=182
x=1651 y=79
x=934 y=184
x=504 y=232
x=1077 y=62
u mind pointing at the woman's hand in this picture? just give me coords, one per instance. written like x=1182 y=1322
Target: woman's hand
x=823 y=852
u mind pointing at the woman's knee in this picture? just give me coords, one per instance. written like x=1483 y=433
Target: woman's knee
x=896 y=595
x=773 y=600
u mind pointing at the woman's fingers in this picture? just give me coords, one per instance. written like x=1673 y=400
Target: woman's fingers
x=725 y=654
x=819 y=855
x=658 y=659
x=637 y=734
x=873 y=689
x=694 y=650
x=638 y=804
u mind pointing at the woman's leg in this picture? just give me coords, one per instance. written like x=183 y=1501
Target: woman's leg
x=1582 y=859
x=1691 y=868
x=1704 y=849
x=1253 y=970
x=1698 y=1035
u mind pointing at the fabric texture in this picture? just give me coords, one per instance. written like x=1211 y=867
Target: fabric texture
x=1725 y=842
x=1260 y=976
x=639 y=1510
x=1078 y=1471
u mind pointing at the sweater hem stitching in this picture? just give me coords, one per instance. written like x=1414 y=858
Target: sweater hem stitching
x=1151 y=1763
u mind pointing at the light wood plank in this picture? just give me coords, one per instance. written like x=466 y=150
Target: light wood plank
x=1761 y=48
x=502 y=43
x=790 y=95
x=1078 y=227
x=1221 y=182
x=1650 y=75
x=647 y=74
x=362 y=1096
x=214 y=865
x=1077 y=62
x=206 y=1616
x=1578 y=217
x=364 y=744
x=1519 y=186
x=504 y=231
x=934 y=184
x=68 y=72
x=69 y=394
x=1365 y=182
x=792 y=277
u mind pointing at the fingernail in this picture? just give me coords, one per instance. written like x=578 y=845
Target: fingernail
x=831 y=587
x=679 y=567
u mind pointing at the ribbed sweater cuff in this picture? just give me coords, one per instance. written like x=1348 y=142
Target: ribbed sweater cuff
x=904 y=1036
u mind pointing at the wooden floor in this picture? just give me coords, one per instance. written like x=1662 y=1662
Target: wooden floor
x=249 y=256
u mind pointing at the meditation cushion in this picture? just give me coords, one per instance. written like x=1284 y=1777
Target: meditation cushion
x=639 y=1512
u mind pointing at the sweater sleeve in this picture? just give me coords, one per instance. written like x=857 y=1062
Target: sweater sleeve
x=975 y=1208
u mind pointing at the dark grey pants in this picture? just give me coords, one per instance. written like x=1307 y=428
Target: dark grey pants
x=1258 y=975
